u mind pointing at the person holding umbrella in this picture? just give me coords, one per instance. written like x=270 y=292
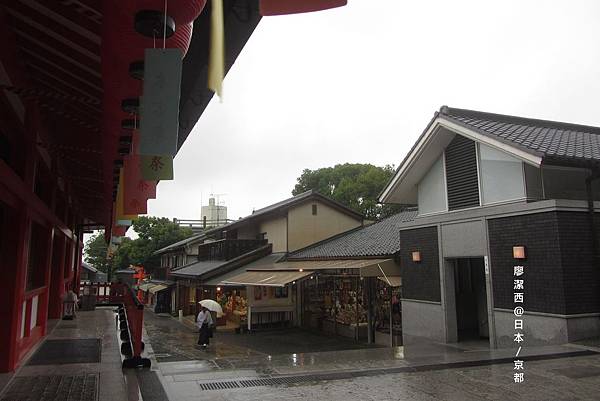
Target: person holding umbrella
x=204 y=322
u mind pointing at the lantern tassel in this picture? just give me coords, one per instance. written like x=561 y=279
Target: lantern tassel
x=216 y=59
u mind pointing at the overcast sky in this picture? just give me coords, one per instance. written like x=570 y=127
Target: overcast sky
x=358 y=84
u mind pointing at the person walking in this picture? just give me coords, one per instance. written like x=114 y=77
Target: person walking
x=70 y=304
x=204 y=322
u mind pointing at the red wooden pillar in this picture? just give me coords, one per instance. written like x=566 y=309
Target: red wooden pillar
x=77 y=277
x=57 y=277
x=68 y=269
x=14 y=246
x=17 y=285
x=42 y=316
x=15 y=251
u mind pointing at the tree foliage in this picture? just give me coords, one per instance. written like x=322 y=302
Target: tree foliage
x=354 y=185
x=95 y=252
x=153 y=233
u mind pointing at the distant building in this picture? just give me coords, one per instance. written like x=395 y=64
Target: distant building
x=213 y=214
x=178 y=254
x=90 y=274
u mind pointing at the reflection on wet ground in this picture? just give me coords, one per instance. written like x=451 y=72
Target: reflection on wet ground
x=294 y=351
x=174 y=341
x=338 y=366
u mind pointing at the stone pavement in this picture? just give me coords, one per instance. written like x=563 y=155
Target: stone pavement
x=544 y=381
x=103 y=380
x=176 y=341
x=241 y=367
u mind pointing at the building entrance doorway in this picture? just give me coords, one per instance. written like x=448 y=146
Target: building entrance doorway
x=471 y=299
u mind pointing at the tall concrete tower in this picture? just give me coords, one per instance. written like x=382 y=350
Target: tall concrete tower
x=214 y=214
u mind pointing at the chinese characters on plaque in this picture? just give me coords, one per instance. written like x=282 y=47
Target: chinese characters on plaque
x=518 y=337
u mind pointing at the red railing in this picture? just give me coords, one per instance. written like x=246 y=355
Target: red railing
x=130 y=319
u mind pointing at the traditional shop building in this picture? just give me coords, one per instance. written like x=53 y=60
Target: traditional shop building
x=156 y=294
x=347 y=285
x=279 y=228
x=357 y=287
x=494 y=192
x=178 y=254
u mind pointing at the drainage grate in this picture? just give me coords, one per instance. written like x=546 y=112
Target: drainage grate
x=267 y=381
x=219 y=385
x=586 y=371
x=53 y=388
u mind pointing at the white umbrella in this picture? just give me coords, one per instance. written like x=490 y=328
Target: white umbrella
x=212 y=306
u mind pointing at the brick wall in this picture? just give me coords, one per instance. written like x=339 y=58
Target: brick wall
x=420 y=280
x=581 y=276
x=560 y=274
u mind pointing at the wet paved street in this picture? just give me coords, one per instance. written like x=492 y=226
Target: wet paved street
x=176 y=341
x=326 y=368
x=544 y=381
x=73 y=371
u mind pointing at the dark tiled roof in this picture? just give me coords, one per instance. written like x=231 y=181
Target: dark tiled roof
x=550 y=140
x=285 y=204
x=262 y=263
x=89 y=267
x=180 y=244
x=378 y=239
x=198 y=268
x=209 y=268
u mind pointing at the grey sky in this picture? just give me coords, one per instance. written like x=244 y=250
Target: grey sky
x=360 y=83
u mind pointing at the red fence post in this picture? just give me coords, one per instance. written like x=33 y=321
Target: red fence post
x=134 y=311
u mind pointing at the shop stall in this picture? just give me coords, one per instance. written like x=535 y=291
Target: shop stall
x=271 y=296
x=234 y=302
x=334 y=302
x=358 y=299
x=388 y=311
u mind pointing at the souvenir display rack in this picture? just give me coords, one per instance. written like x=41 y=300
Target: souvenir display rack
x=335 y=303
x=388 y=308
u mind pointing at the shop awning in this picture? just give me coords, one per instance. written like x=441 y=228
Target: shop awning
x=145 y=286
x=366 y=267
x=157 y=288
x=392 y=281
x=266 y=278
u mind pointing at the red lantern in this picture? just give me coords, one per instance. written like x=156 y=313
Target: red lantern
x=182 y=11
x=122 y=45
x=280 y=7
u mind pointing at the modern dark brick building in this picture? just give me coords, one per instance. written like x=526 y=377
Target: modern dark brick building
x=486 y=185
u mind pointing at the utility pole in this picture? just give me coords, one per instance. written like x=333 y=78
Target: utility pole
x=217 y=203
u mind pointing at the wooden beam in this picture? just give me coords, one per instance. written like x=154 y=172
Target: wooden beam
x=10 y=181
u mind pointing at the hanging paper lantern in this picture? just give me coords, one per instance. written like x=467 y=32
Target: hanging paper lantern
x=182 y=11
x=121 y=47
x=185 y=11
x=281 y=7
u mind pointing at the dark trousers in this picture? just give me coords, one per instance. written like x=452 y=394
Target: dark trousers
x=204 y=337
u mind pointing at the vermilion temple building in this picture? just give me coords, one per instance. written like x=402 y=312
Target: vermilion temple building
x=71 y=77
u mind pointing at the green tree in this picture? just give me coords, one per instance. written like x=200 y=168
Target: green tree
x=153 y=233
x=95 y=252
x=354 y=185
